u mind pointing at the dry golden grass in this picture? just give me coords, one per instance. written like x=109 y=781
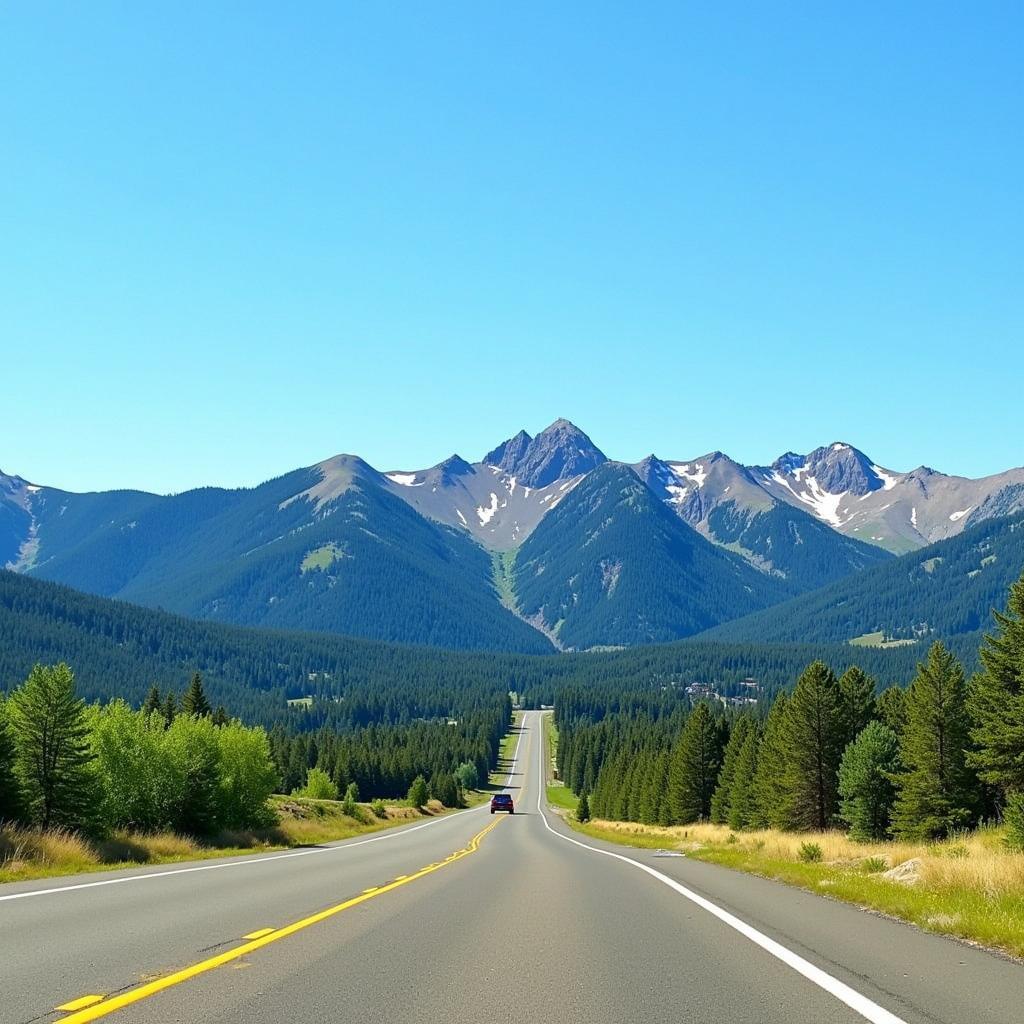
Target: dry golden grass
x=31 y=853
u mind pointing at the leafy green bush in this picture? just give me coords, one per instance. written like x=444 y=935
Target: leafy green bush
x=379 y=809
x=318 y=786
x=874 y=865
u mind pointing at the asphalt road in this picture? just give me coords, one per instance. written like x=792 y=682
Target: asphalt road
x=527 y=922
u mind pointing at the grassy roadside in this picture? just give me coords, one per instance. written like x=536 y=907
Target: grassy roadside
x=969 y=887
x=506 y=753
x=28 y=853
x=559 y=795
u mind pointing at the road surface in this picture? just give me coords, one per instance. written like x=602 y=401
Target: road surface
x=475 y=918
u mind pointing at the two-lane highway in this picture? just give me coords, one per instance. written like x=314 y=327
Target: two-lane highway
x=476 y=918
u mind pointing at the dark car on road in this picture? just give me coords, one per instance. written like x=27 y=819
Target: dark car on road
x=502 y=802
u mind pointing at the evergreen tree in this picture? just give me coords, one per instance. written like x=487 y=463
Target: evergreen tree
x=857 y=700
x=11 y=806
x=170 y=708
x=866 y=782
x=418 y=792
x=194 y=702
x=152 y=701
x=769 y=789
x=720 y=799
x=220 y=716
x=583 y=808
x=814 y=734
x=52 y=756
x=996 y=700
x=742 y=799
x=935 y=791
x=891 y=707
x=694 y=768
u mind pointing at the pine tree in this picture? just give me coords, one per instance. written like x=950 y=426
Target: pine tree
x=694 y=769
x=935 y=792
x=814 y=734
x=996 y=700
x=742 y=799
x=866 y=782
x=857 y=700
x=891 y=708
x=220 y=716
x=11 y=805
x=52 y=759
x=170 y=708
x=769 y=790
x=194 y=702
x=152 y=702
x=720 y=799
x=583 y=808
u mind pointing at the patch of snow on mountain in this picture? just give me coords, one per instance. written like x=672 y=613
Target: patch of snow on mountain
x=697 y=477
x=568 y=483
x=677 y=493
x=32 y=488
x=799 y=472
x=839 y=447
x=913 y=516
x=458 y=512
x=526 y=492
x=485 y=515
x=888 y=480
x=957 y=516
x=823 y=504
x=512 y=485
x=405 y=479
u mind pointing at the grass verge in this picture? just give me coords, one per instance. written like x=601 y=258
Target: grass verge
x=970 y=887
x=29 y=853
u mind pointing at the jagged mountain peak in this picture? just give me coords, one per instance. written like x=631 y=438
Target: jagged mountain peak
x=560 y=451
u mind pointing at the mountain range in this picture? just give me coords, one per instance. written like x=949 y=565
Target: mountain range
x=545 y=542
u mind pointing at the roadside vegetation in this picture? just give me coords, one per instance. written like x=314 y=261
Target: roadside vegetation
x=909 y=801
x=83 y=787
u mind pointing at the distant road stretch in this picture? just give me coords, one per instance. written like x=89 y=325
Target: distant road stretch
x=475 y=918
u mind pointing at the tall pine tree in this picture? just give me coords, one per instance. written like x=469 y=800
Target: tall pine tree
x=773 y=754
x=720 y=800
x=996 y=700
x=743 y=799
x=857 y=700
x=935 y=792
x=11 y=806
x=52 y=759
x=815 y=734
x=194 y=702
x=694 y=768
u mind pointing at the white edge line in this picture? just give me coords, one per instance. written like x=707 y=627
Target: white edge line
x=851 y=997
x=398 y=833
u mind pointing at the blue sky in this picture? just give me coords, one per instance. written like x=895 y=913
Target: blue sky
x=239 y=241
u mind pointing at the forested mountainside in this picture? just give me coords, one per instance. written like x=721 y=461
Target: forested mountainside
x=945 y=590
x=348 y=559
x=613 y=565
x=118 y=649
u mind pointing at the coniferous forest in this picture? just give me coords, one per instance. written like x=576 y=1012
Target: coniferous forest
x=837 y=750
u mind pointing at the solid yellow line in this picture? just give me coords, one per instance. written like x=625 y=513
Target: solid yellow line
x=78 y=1004
x=118 y=1002
x=258 y=934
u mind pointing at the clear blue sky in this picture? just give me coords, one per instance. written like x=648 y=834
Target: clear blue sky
x=237 y=241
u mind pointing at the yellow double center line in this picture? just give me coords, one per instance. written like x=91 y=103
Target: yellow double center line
x=134 y=995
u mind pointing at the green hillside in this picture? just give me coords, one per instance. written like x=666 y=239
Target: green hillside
x=947 y=589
